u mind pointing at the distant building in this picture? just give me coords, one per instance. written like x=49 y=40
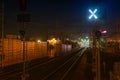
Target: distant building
x=113 y=40
x=11 y=36
x=115 y=32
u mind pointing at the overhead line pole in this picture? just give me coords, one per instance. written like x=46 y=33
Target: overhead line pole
x=2 y=54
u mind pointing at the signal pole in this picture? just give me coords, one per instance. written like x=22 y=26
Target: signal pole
x=96 y=39
x=98 y=72
x=2 y=36
x=23 y=17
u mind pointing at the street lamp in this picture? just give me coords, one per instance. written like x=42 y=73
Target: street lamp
x=38 y=41
x=53 y=41
x=52 y=46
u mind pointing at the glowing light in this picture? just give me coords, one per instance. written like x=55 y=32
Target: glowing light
x=104 y=31
x=86 y=37
x=85 y=42
x=53 y=41
x=93 y=14
x=38 y=41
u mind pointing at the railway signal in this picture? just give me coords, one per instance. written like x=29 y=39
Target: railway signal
x=93 y=15
x=98 y=34
x=23 y=5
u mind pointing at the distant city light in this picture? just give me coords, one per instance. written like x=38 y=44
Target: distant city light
x=85 y=42
x=67 y=39
x=53 y=41
x=93 y=14
x=86 y=37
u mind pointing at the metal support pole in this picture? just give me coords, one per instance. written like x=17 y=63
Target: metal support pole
x=98 y=61
x=2 y=52
x=22 y=32
x=24 y=61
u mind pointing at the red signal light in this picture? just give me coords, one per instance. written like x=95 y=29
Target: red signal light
x=104 y=31
x=23 y=4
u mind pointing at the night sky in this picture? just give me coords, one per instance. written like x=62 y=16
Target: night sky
x=61 y=16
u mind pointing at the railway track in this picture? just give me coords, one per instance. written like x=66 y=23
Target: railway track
x=63 y=70
x=17 y=70
x=44 y=68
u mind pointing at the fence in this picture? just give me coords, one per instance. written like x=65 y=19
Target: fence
x=13 y=50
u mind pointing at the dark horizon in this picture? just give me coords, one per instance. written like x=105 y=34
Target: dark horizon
x=49 y=17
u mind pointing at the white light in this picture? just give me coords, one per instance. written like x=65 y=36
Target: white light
x=86 y=37
x=82 y=40
x=93 y=14
x=85 y=42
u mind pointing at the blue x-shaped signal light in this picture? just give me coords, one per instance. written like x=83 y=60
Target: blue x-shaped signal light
x=93 y=14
